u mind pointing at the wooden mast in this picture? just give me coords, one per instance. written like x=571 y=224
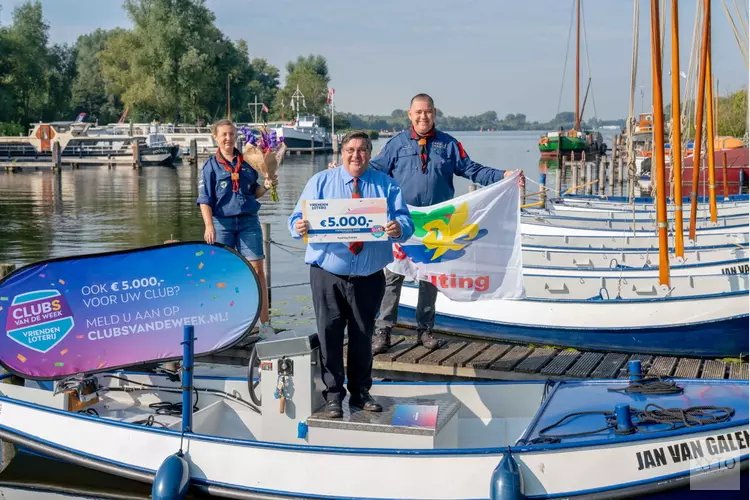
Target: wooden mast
x=699 y=120
x=661 y=192
x=578 y=61
x=676 y=149
x=710 y=126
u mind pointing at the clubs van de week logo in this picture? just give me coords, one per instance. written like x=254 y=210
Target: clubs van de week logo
x=39 y=320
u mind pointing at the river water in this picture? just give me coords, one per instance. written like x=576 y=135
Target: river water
x=97 y=209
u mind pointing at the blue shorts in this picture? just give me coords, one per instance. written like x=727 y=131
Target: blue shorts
x=243 y=233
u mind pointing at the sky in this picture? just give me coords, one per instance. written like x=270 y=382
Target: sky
x=470 y=56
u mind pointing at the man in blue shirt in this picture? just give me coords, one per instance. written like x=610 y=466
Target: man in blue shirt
x=347 y=279
x=423 y=160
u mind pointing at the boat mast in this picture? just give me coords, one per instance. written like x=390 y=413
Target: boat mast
x=676 y=149
x=661 y=195
x=710 y=127
x=699 y=119
x=631 y=110
x=578 y=60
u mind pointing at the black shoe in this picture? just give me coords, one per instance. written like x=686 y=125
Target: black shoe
x=333 y=409
x=381 y=341
x=427 y=339
x=365 y=402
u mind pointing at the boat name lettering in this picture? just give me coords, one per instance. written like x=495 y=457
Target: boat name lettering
x=741 y=269
x=696 y=449
x=478 y=283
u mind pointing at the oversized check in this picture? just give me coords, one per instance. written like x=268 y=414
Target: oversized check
x=346 y=220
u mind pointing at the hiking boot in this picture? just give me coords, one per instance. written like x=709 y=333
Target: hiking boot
x=427 y=339
x=381 y=341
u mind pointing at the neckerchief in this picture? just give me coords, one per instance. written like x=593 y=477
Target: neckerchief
x=228 y=167
x=422 y=141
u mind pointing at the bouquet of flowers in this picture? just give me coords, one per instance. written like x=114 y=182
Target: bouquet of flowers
x=264 y=154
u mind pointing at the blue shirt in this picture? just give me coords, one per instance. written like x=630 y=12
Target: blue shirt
x=446 y=157
x=336 y=258
x=215 y=189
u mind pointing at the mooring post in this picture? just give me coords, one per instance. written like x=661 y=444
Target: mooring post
x=620 y=173
x=574 y=173
x=611 y=170
x=560 y=175
x=266 y=228
x=56 y=157
x=602 y=164
x=193 y=152
x=136 y=155
x=312 y=146
x=335 y=144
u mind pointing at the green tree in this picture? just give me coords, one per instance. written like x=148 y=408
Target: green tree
x=89 y=91
x=310 y=74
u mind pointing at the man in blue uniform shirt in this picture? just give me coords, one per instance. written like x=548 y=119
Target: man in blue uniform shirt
x=347 y=280
x=423 y=161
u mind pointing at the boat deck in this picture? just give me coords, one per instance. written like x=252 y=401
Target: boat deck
x=492 y=360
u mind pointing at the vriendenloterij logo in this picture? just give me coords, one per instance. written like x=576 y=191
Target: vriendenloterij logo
x=39 y=320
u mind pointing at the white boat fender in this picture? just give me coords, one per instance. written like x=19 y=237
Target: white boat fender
x=507 y=480
x=172 y=479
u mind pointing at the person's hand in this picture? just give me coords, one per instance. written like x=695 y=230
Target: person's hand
x=270 y=182
x=209 y=235
x=332 y=164
x=301 y=226
x=521 y=177
x=393 y=229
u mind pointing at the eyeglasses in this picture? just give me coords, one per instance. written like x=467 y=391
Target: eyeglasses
x=352 y=151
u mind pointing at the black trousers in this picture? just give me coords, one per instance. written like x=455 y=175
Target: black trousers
x=345 y=303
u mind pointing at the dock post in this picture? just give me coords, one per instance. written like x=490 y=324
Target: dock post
x=574 y=170
x=611 y=171
x=136 y=155
x=620 y=176
x=193 y=152
x=560 y=175
x=266 y=228
x=602 y=179
x=56 y=157
x=335 y=144
x=312 y=147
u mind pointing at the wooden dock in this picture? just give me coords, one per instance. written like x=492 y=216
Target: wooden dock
x=488 y=360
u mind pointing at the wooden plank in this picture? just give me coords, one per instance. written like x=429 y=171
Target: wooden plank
x=444 y=352
x=714 y=369
x=662 y=367
x=610 y=365
x=585 y=364
x=738 y=371
x=561 y=362
x=688 y=368
x=536 y=360
x=512 y=358
x=488 y=356
x=414 y=355
x=395 y=351
x=466 y=354
x=645 y=359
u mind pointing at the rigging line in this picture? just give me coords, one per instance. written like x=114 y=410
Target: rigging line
x=567 y=52
x=588 y=61
x=688 y=100
x=631 y=118
x=741 y=17
x=737 y=36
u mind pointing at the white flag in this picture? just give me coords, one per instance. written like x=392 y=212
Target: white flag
x=468 y=247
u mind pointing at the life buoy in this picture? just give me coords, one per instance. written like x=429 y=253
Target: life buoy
x=544 y=141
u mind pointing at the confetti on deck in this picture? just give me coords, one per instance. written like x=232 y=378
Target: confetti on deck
x=59 y=363
x=62 y=282
x=21 y=358
x=63 y=352
x=200 y=266
x=231 y=304
x=221 y=285
x=198 y=254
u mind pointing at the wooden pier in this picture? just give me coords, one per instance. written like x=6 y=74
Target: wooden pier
x=489 y=360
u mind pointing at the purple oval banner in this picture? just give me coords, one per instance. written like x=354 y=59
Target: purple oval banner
x=104 y=311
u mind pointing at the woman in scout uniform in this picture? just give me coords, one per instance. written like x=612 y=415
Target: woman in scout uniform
x=228 y=192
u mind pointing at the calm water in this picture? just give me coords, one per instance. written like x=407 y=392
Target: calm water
x=96 y=209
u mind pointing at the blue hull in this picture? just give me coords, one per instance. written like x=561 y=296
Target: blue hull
x=727 y=338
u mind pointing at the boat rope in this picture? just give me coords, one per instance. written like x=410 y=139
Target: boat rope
x=567 y=52
x=535 y=204
x=631 y=106
x=284 y=247
x=651 y=386
x=676 y=418
x=544 y=188
x=580 y=186
x=588 y=61
x=740 y=41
